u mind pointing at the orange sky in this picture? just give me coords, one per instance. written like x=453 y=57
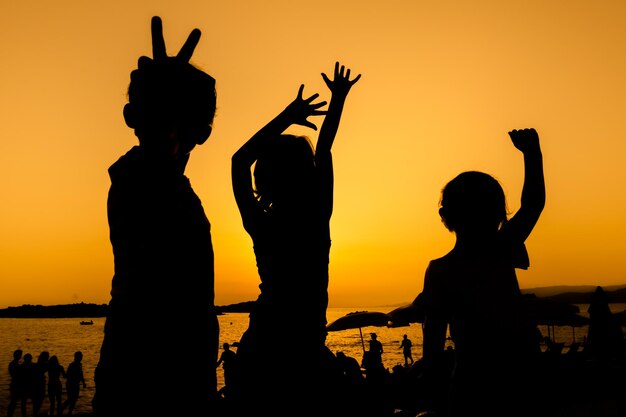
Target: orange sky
x=442 y=84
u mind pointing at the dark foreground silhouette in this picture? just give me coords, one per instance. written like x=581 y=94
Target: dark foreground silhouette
x=163 y=253
x=474 y=290
x=286 y=205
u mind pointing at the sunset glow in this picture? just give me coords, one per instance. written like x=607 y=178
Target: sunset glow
x=442 y=84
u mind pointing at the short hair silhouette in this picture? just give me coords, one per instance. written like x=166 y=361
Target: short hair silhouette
x=169 y=94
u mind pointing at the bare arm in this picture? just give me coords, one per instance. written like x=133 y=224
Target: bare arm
x=533 y=198
x=297 y=112
x=434 y=337
x=339 y=87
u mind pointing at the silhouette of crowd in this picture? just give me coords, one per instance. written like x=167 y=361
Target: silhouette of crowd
x=33 y=382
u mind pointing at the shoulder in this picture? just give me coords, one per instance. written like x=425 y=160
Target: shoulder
x=439 y=281
x=440 y=268
x=126 y=163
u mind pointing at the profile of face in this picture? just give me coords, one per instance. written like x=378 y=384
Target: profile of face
x=171 y=107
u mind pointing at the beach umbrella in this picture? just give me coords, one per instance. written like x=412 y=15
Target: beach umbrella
x=358 y=320
x=408 y=313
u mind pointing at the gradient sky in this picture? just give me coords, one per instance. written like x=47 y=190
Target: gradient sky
x=442 y=83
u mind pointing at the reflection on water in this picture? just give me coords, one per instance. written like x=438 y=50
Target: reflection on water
x=62 y=337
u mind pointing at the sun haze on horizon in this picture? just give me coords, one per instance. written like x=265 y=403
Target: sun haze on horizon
x=442 y=84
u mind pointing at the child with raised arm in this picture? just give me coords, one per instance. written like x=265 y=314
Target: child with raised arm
x=474 y=288
x=286 y=208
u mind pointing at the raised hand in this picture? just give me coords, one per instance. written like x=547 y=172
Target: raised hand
x=341 y=83
x=158 y=43
x=299 y=110
x=534 y=188
x=159 y=51
x=526 y=140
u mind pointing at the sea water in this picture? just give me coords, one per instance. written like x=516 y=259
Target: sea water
x=63 y=337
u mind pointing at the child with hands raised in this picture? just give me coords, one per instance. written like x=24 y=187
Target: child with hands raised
x=284 y=191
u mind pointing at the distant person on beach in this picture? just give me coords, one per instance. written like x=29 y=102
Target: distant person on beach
x=376 y=349
x=74 y=379
x=286 y=206
x=373 y=360
x=605 y=338
x=16 y=385
x=55 y=386
x=407 y=350
x=474 y=289
x=162 y=247
x=228 y=360
x=39 y=381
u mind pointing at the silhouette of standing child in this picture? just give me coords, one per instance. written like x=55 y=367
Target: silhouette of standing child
x=55 y=387
x=474 y=288
x=74 y=379
x=286 y=208
x=162 y=247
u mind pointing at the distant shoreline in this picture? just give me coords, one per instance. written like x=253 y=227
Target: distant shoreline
x=78 y=310
x=88 y=311
x=568 y=294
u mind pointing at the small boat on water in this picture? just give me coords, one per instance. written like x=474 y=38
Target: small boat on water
x=86 y=323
